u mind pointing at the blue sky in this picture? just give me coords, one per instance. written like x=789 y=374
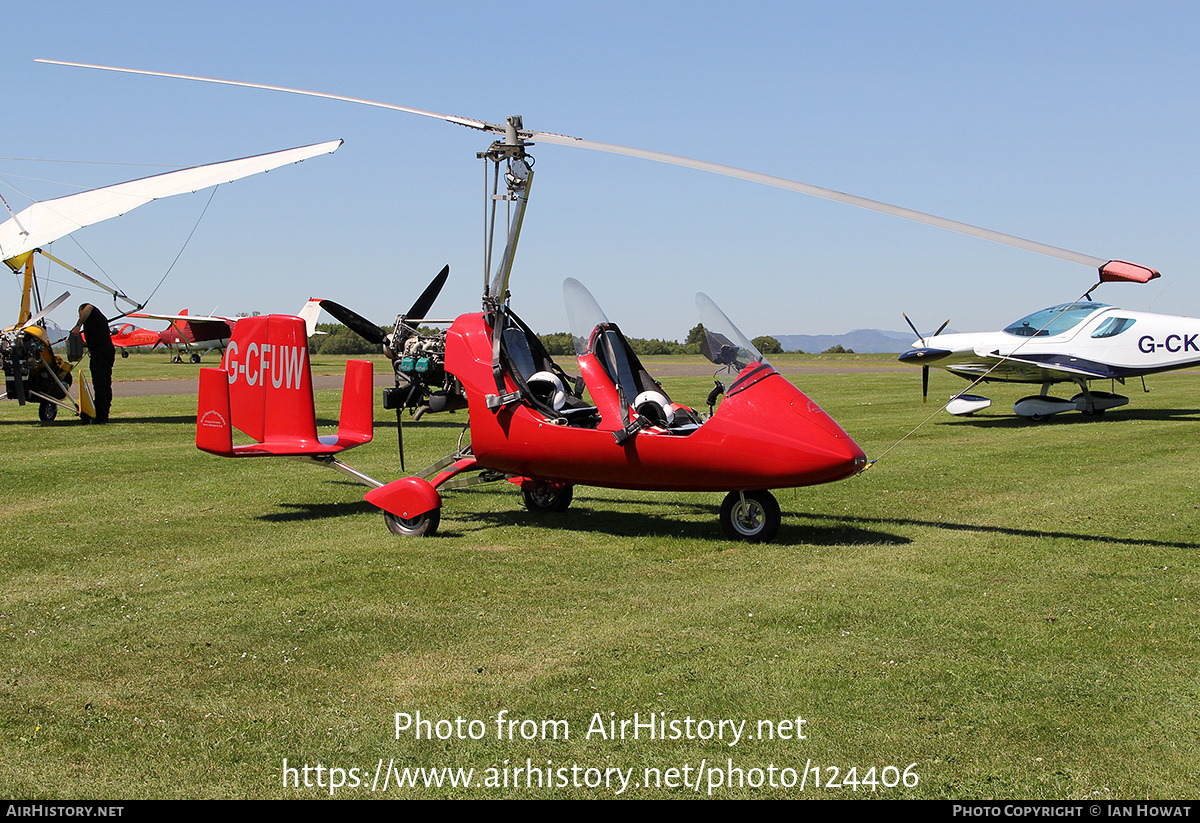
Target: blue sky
x=1071 y=123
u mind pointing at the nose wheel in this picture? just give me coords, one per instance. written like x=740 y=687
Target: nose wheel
x=423 y=525
x=751 y=516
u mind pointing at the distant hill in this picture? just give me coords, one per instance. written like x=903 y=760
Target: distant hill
x=864 y=341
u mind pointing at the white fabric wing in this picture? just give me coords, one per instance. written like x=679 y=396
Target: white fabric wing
x=49 y=220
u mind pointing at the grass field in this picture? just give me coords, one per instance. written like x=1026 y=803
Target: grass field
x=997 y=609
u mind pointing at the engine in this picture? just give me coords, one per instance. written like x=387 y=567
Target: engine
x=419 y=363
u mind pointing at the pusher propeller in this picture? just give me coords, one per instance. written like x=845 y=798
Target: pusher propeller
x=354 y=321
x=425 y=302
x=367 y=330
x=58 y=301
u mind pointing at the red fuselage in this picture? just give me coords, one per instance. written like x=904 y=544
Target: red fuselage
x=766 y=435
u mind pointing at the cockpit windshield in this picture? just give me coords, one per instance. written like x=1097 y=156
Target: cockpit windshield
x=723 y=343
x=1054 y=320
x=583 y=314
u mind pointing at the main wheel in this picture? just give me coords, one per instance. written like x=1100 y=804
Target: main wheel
x=547 y=497
x=195 y=358
x=124 y=353
x=47 y=411
x=423 y=525
x=751 y=516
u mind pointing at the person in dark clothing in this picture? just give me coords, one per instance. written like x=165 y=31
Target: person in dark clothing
x=102 y=353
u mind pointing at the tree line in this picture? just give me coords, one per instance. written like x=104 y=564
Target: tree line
x=338 y=339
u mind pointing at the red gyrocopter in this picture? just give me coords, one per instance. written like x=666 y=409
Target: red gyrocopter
x=529 y=421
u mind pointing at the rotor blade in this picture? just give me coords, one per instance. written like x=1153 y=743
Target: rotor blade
x=829 y=194
x=449 y=118
x=355 y=322
x=924 y=383
x=687 y=162
x=425 y=301
x=58 y=301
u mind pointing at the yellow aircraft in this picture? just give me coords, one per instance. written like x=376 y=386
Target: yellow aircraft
x=32 y=371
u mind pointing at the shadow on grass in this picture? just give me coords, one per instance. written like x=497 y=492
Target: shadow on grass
x=1032 y=533
x=617 y=521
x=317 y=511
x=66 y=420
x=1077 y=418
x=620 y=522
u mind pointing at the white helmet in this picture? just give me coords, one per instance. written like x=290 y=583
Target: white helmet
x=548 y=389
x=655 y=406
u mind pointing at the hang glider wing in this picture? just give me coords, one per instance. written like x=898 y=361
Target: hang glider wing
x=49 y=220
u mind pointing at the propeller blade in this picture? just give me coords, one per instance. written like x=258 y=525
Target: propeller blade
x=513 y=134
x=18 y=380
x=355 y=322
x=924 y=383
x=425 y=301
x=57 y=302
x=942 y=327
x=920 y=336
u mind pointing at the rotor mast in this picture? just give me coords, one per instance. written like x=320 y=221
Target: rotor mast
x=518 y=178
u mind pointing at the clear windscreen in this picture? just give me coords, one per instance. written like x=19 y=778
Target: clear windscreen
x=583 y=313
x=1054 y=320
x=723 y=343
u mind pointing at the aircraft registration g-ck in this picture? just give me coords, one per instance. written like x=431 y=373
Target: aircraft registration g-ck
x=1070 y=343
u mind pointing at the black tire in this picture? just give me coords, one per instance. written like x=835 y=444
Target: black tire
x=423 y=525
x=543 y=497
x=124 y=353
x=756 y=522
x=47 y=411
x=195 y=358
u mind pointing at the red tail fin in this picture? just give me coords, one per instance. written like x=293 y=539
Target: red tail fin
x=264 y=389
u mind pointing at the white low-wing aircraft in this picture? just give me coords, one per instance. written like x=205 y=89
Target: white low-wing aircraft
x=1069 y=343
